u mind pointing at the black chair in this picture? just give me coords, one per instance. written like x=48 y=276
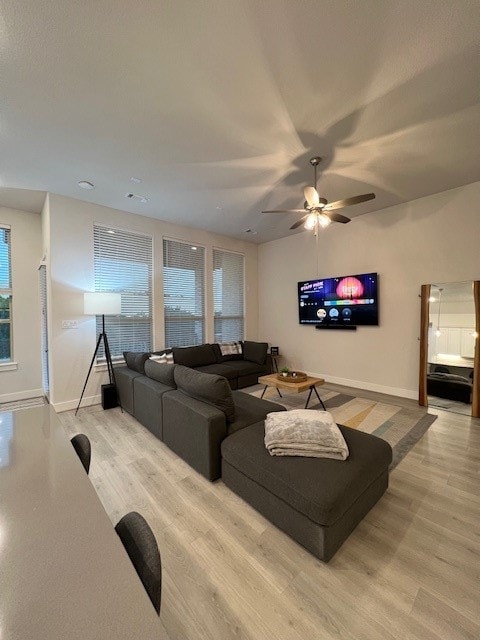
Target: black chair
x=439 y=368
x=142 y=549
x=82 y=446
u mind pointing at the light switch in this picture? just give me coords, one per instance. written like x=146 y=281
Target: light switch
x=69 y=324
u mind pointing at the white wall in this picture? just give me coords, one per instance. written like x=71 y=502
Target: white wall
x=433 y=239
x=70 y=259
x=24 y=381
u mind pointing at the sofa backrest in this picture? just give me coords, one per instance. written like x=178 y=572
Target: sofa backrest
x=135 y=360
x=198 y=356
x=161 y=372
x=207 y=387
x=255 y=351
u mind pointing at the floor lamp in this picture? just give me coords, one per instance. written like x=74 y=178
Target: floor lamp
x=101 y=304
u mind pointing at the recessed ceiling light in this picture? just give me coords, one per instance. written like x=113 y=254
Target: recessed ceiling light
x=252 y=231
x=136 y=180
x=110 y=231
x=84 y=184
x=219 y=208
x=194 y=248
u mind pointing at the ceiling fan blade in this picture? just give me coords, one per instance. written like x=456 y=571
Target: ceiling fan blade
x=337 y=217
x=311 y=196
x=299 y=222
x=339 y=204
x=286 y=211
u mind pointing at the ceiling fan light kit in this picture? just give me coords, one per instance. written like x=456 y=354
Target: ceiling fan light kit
x=318 y=212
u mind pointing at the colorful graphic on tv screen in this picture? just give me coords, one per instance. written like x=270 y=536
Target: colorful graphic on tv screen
x=342 y=301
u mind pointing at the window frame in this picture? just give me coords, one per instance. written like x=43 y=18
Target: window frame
x=8 y=293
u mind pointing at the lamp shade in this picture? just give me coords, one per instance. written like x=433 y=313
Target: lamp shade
x=102 y=304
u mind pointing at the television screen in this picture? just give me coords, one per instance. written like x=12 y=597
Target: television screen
x=339 y=302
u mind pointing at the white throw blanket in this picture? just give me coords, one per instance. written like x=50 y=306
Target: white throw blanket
x=302 y=432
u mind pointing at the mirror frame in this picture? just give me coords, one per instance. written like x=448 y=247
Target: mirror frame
x=424 y=319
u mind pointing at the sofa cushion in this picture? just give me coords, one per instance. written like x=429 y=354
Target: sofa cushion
x=255 y=351
x=228 y=351
x=212 y=389
x=135 y=360
x=148 y=395
x=220 y=370
x=320 y=488
x=249 y=410
x=160 y=372
x=244 y=367
x=124 y=378
x=198 y=356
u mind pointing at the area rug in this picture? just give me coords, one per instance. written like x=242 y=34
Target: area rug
x=400 y=427
x=22 y=404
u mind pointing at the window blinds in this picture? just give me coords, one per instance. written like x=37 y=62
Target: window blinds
x=184 y=293
x=123 y=264
x=228 y=295
x=5 y=259
x=5 y=294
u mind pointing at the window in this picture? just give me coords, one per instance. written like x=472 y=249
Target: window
x=184 y=293
x=123 y=264
x=5 y=295
x=228 y=286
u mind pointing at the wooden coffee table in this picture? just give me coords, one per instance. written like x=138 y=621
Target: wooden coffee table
x=296 y=387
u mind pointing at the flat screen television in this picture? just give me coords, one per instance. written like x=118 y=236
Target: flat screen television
x=339 y=302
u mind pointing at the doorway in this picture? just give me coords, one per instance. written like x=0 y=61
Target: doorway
x=42 y=274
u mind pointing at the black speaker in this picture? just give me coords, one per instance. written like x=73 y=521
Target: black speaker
x=109 y=396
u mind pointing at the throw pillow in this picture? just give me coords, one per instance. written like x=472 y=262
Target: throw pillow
x=210 y=388
x=255 y=351
x=165 y=356
x=228 y=351
x=135 y=360
x=161 y=372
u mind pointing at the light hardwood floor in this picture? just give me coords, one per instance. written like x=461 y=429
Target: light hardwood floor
x=410 y=570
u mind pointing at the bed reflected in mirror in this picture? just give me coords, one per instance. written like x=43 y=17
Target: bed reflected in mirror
x=451 y=346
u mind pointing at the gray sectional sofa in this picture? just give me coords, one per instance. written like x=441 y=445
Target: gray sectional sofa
x=192 y=410
x=220 y=432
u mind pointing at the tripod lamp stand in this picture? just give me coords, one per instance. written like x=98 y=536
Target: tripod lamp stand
x=101 y=304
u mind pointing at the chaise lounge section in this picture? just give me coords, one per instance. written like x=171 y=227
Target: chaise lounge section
x=317 y=501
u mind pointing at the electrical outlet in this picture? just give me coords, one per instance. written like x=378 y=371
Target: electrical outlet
x=69 y=324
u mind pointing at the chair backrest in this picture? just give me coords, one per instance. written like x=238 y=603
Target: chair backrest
x=439 y=368
x=82 y=446
x=142 y=549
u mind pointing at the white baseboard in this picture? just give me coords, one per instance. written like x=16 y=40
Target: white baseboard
x=68 y=405
x=21 y=395
x=369 y=386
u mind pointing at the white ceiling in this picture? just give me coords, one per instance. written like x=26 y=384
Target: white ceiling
x=217 y=105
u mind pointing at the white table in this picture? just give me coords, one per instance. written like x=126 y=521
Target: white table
x=64 y=573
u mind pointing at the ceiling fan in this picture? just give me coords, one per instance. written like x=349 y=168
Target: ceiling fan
x=317 y=211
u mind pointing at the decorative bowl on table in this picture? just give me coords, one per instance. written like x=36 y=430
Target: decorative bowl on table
x=292 y=376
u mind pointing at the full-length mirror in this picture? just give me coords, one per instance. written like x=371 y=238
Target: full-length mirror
x=449 y=340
